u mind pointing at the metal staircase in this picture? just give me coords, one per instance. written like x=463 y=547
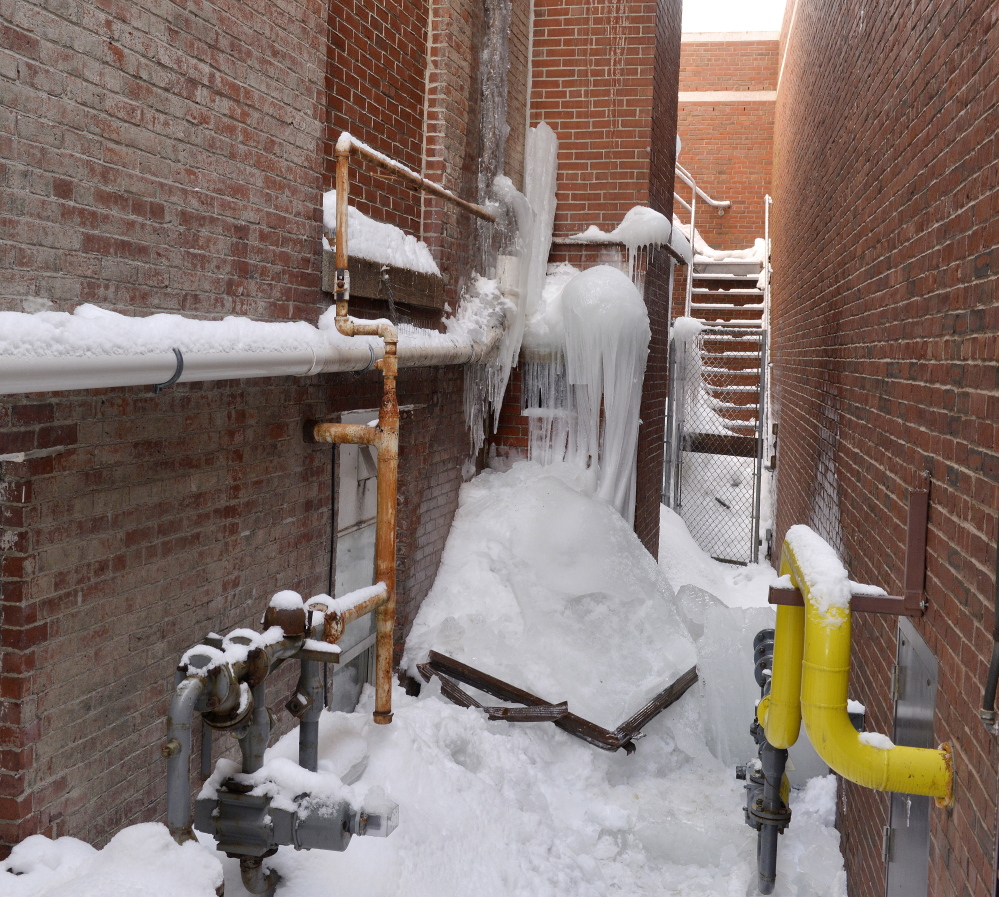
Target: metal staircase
x=724 y=297
x=717 y=412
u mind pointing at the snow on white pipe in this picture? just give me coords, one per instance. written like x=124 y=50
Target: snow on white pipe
x=54 y=373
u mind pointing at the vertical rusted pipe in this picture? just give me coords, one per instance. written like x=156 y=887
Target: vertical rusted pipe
x=385 y=532
x=342 y=153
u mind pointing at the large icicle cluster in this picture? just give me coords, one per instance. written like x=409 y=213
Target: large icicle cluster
x=583 y=395
x=528 y=219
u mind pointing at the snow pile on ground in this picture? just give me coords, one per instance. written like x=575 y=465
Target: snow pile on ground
x=140 y=861
x=548 y=588
x=496 y=808
x=378 y=241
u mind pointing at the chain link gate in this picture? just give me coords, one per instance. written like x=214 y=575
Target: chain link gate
x=714 y=438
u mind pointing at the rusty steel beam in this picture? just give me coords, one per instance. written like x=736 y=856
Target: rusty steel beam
x=910 y=603
x=915 y=551
x=447 y=668
x=862 y=604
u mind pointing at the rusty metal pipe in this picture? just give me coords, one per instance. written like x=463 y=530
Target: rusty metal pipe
x=385 y=437
x=352 y=434
x=336 y=621
x=346 y=145
x=385 y=534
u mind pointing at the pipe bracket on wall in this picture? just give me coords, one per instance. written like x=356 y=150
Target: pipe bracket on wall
x=176 y=374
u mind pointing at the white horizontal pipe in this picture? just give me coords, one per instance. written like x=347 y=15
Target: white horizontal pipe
x=22 y=374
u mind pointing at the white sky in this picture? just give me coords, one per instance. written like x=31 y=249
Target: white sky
x=732 y=15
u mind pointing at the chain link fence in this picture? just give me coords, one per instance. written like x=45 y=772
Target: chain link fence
x=714 y=438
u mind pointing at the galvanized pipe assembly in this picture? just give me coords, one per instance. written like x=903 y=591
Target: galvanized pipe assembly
x=177 y=752
x=224 y=680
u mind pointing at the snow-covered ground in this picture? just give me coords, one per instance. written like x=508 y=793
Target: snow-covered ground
x=541 y=575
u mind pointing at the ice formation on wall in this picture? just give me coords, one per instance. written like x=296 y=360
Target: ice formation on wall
x=695 y=403
x=525 y=222
x=583 y=394
x=540 y=173
x=640 y=231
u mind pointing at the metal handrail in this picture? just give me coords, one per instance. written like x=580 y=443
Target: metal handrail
x=720 y=204
x=688 y=179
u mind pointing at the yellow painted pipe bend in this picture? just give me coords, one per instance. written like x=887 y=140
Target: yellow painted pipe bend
x=824 y=678
x=780 y=712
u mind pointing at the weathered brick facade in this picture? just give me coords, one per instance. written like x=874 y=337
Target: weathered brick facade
x=136 y=175
x=728 y=138
x=885 y=340
x=605 y=80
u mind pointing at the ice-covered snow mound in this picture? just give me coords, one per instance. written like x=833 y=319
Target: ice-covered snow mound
x=547 y=587
x=140 y=861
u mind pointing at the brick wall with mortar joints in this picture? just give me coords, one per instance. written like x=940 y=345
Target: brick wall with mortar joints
x=167 y=184
x=375 y=81
x=900 y=307
x=729 y=65
x=593 y=83
x=728 y=146
x=658 y=274
x=112 y=489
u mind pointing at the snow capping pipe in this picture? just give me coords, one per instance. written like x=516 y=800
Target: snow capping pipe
x=416 y=348
x=53 y=373
x=810 y=678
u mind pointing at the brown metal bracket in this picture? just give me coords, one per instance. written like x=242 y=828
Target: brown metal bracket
x=911 y=602
x=451 y=671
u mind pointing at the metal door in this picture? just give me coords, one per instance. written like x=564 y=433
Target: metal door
x=907 y=839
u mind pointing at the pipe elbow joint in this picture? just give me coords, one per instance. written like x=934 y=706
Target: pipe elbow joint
x=909 y=770
x=344 y=144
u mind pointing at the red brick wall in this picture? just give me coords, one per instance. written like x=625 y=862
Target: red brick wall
x=885 y=323
x=592 y=83
x=375 y=80
x=657 y=277
x=728 y=144
x=137 y=177
x=605 y=80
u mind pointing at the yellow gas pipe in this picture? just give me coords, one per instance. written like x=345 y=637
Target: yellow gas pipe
x=811 y=671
